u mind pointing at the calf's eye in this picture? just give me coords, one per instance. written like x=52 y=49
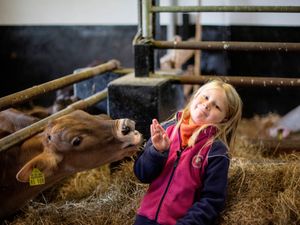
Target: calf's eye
x=125 y=130
x=76 y=141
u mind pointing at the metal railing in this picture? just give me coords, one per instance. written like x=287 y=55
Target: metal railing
x=148 y=9
x=246 y=81
x=228 y=45
x=33 y=129
x=248 y=9
x=27 y=94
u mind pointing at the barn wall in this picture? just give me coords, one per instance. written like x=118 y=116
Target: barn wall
x=43 y=40
x=32 y=55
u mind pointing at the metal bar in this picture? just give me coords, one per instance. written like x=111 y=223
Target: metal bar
x=228 y=45
x=156 y=32
x=172 y=22
x=234 y=80
x=140 y=19
x=31 y=130
x=197 y=54
x=123 y=71
x=34 y=91
x=248 y=9
x=147 y=19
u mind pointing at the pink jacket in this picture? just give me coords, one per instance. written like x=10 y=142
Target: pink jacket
x=177 y=187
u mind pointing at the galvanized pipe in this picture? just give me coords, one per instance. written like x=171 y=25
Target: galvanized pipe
x=38 y=90
x=140 y=19
x=247 y=9
x=228 y=45
x=234 y=80
x=147 y=30
x=31 y=130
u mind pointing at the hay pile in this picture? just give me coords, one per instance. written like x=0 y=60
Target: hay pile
x=93 y=197
x=262 y=190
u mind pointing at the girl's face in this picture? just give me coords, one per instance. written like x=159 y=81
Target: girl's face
x=209 y=106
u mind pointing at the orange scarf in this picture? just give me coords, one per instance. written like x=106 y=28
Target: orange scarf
x=187 y=128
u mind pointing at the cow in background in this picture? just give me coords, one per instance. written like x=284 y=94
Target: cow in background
x=64 y=97
x=174 y=61
x=288 y=124
x=12 y=120
x=72 y=143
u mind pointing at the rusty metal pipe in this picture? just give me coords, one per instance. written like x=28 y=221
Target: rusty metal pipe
x=123 y=71
x=234 y=80
x=31 y=130
x=228 y=45
x=41 y=89
x=247 y=9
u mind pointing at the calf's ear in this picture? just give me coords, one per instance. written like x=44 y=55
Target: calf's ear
x=46 y=162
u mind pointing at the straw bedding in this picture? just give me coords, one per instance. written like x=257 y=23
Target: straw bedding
x=261 y=190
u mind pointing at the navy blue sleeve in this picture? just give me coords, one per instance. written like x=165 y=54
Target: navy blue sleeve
x=149 y=163
x=206 y=210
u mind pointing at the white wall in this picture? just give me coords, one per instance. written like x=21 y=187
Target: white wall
x=124 y=12
x=68 y=12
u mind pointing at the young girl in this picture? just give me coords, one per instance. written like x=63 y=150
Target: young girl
x=186 y=161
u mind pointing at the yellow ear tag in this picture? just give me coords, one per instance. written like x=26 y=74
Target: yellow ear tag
x=36 y=177
x=280 y=134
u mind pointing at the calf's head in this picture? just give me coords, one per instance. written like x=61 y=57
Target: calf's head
x=80 y=141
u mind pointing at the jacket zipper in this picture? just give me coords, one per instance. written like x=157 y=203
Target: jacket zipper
x=169 y=182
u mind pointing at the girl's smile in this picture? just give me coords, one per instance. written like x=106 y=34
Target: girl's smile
x=209 y=106
x=201 y=110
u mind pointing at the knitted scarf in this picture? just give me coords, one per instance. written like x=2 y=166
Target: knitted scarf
x=187 y=128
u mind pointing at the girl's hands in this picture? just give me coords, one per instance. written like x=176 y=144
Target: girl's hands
x=159 y=136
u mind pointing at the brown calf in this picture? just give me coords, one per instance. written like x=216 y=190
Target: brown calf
x=75 y=142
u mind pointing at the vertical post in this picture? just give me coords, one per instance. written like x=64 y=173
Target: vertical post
x=139 y=16
x=143 y=51
x=146 y=19
x=156 y=33
x=172 y=23
x=185 y=26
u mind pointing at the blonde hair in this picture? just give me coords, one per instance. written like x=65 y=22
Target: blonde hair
x=226 y=130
